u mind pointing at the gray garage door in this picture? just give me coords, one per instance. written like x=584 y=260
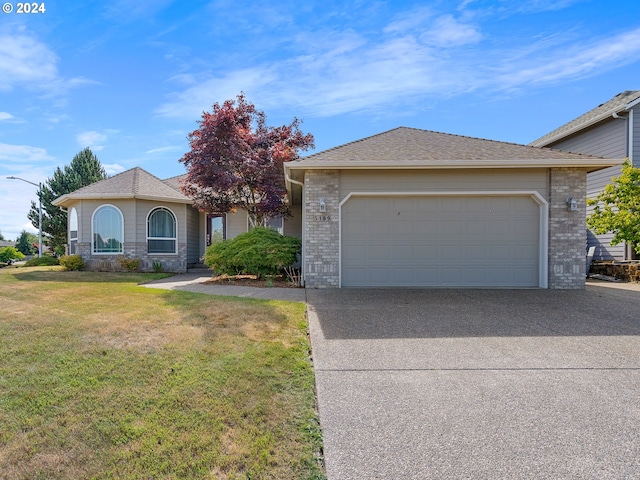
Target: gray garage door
x=467 y=241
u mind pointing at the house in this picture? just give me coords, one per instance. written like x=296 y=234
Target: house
x=135 y=214
x=403 y=208
x=609 y=130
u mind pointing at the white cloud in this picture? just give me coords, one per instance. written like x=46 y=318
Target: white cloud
x=91 y=139
x=113 y=168
x=27 y=62
x=571 y=62
x=24 y=59
x=6 y=116
x=163 y=149
x=22 y=154
x=446 y=31
x=416 y=57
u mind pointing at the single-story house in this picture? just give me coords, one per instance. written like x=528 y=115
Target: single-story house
x=612 y=129
x=403 y=208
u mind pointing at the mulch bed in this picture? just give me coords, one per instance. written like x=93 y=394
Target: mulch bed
x=252 y=281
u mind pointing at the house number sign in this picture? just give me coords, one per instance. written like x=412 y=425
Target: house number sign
x=322 y=218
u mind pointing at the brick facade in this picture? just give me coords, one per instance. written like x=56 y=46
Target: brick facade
x=321 y=229
x=567 y=229
x=109 y=263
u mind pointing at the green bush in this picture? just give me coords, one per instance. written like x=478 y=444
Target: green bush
x=129 y=264
x=261 y=251
x=45 y=261
x=9 y=254
x=72 y=262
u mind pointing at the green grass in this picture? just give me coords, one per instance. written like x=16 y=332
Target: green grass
x=101 y=378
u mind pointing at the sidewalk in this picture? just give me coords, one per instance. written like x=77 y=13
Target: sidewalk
x=198 y=283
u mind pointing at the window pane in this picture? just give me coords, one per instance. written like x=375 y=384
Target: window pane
x=107 y=230
x=161 y=246
x=162 y=224
x=275 y=224
x=217 y=229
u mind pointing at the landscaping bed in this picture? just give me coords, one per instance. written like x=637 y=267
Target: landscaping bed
x=627 y=271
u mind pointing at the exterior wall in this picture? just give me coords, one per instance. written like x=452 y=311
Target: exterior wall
x=195 y=240
x=293 y=224
x=608 y=139
x=134 y=214
x=321 y=252
x=237 y=223
x=567 y=236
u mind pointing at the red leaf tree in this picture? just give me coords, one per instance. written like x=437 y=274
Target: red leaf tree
x=236 y=161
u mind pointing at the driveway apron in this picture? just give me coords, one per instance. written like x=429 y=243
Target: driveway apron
x=478 y=384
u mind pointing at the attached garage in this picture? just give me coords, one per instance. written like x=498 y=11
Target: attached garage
x=438 y=240
x=415 y=208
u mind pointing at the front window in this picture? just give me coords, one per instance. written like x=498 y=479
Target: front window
x=276 y=224
x=73 y=230
x=161 y=231
x=108 y=231
x=216 y=229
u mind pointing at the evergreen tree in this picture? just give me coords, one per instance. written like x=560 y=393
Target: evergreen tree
x=25 y=243
x=84 y=169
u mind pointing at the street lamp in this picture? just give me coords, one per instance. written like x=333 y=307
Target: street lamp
x=39 y=185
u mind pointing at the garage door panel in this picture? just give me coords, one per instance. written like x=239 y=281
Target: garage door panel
x=440 y=241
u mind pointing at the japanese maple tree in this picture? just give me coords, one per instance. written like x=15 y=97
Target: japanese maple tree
x=236 y=161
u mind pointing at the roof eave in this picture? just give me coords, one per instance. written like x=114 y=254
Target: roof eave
x=582 y=126
x=592 y=164
x=66 y=200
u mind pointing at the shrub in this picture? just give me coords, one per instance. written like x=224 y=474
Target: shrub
x=46 y=261
x=72 y=262
x=9 y=254
x=129 y=264
x=261 y=251
x=157 y=267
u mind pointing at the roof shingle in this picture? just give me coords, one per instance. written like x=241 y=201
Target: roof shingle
x=616 y=105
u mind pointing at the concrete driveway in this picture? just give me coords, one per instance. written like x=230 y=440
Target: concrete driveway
x=478 y=384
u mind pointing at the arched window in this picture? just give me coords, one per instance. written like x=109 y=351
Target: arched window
x=161 y=231
x=107 y=230
x=73 y=230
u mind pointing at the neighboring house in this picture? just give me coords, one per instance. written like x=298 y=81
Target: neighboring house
x=4 y=243
x=609 y=130
x=402 y=208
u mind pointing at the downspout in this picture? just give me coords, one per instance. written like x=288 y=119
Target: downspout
x=304 y=221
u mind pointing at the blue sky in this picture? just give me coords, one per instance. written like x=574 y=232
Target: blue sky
x=131 y=79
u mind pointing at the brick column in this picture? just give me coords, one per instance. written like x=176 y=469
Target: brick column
x=321 y=256
x=567 y=229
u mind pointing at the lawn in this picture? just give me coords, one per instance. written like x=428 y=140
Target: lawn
x=101 y=378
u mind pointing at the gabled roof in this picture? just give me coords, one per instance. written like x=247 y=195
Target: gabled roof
x=134 y=183
x=405 y=148
x=621 y=102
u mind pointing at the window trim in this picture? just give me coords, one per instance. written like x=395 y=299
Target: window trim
x=175 y=239
x=74 y=212
x=93 y=242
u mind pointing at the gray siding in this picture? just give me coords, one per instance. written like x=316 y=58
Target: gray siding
x=237 y=223
x=293 y=224
x=636 y=136
x=608 y=139
x=195 y=240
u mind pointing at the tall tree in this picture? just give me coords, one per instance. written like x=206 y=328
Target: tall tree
x=617 y=208
x=2 y=236
x=84 y=169
x=25 y=243
x=236 y=161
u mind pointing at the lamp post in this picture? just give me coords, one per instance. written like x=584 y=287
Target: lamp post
x=39 y=185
